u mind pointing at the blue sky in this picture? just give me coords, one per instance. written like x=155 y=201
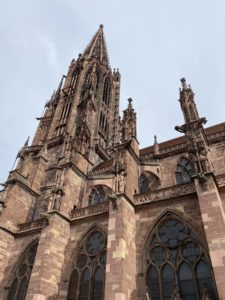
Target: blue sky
x=153 y=43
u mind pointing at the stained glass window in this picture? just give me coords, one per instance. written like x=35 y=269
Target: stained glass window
x=97 y=195
x=88 y=274
x=148 y=182
x=183 y=171
x=19 y=285
x=175 y=256
x=144 y=184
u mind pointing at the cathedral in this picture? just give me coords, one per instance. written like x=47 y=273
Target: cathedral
x=86 y=214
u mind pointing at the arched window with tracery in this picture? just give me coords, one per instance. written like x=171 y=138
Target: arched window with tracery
x=177 y=263
x=21 y=276
x=148 y=182
x=183 y=171
x=87 y=278
x=97 y=195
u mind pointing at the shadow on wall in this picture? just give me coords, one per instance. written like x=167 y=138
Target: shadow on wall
x=133 y=295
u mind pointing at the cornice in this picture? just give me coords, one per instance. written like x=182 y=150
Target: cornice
x=17 y=178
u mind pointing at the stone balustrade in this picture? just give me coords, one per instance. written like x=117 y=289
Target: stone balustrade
x=90 y=210
x=39 y=223
x=165 y=193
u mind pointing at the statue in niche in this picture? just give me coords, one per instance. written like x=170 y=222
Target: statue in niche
x=68 y=145
x=55 y=197
x=1 y=208
x=121 y=182
x=90 y=85
x=58 y=200
x=50 y=202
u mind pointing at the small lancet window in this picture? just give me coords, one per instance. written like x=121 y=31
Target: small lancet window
x=177 y=263
x=88 y=275
x=22 y=273
x=183 y=171
x=106 y=92
x=97 y=195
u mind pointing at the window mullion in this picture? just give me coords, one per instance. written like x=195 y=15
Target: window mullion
x=160 y=283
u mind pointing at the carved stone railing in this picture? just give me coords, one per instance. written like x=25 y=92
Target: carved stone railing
x=220 y=180
x=100 y=171
x=165 y=193
x=39 y=223
x=90 y=210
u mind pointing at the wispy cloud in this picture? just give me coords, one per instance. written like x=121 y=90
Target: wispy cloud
x=50 y=50
x=18 y=40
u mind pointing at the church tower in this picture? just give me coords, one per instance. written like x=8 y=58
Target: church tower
x=87 y=215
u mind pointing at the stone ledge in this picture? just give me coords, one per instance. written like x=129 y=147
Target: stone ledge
x=165 y=193
x=92 y=210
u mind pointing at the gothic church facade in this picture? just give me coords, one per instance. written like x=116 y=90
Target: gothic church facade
x=87 y=215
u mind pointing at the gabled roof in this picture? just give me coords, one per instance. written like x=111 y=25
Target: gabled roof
x=212 y=130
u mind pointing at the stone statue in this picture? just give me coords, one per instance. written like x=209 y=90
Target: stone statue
x=50 y=202
x=58 y=199
x=121 y=182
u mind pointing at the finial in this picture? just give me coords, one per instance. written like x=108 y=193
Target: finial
x=156 y=145
x=27 y=142
x=101 y=25
x=183 y=82
x=129 y=103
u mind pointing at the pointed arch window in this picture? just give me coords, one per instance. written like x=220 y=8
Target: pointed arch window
x=88 y=275
x=143 y=183
x=177 y=263
x=148 y=182
x=97 y=195
x=22 y=273
x=183 y=171
x=106 y=92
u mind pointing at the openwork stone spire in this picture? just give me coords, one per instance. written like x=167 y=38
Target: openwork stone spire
x=97 y=48
x=129 y=122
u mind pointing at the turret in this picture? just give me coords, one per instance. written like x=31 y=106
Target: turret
x=197 y=142
x=129 y=123
x=187 y=102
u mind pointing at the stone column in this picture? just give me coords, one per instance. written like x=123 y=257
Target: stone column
x=49 y=261
x=214 y=224
x=120 y=281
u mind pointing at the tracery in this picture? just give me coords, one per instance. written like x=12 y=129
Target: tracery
x=177 y=263
x=183 y=171
x=97 y=195
x=22 y=273
x=88 y=272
